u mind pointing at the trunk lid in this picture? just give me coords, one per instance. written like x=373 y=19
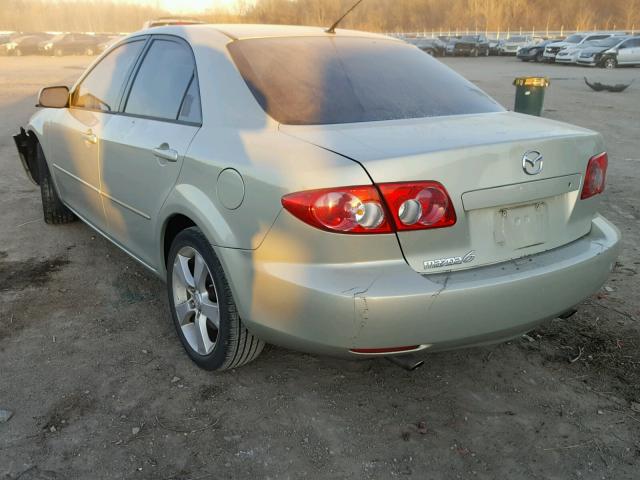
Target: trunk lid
x=502 y=212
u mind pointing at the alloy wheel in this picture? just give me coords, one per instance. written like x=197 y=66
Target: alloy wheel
x=196 y=300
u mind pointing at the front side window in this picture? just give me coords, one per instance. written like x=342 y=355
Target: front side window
x=331 y=80
x=101 y=88
x=160 y=85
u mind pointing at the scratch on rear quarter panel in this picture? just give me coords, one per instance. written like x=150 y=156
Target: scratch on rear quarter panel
x=361 y=308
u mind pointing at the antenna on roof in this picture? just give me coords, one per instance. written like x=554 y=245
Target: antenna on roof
x=332 y=28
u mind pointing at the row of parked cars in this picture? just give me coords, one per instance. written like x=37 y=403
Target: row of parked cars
x=595 y=49
x=603 y=49
x=470 y=45
x=39 y=43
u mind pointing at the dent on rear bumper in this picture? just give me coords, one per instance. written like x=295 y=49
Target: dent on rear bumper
x=334 y=308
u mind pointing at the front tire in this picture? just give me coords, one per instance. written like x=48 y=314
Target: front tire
x=202 y=306
x=55 y=213
x=610 y=63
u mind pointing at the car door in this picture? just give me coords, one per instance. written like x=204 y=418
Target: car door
x=635 y=51
x=144 y=147
x=74 y=136
x=629 y=52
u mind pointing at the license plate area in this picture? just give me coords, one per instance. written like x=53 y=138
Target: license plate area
x=521 y=227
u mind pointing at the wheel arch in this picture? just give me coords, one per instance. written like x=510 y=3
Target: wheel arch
x=188 y=206
x=173 y=225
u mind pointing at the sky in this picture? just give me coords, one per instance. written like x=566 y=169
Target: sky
x=189 y=6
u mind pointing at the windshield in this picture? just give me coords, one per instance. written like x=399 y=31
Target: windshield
x=574 y=39
x=469 y=39
x=518 y=39
x=330 y=80
x=607 y=42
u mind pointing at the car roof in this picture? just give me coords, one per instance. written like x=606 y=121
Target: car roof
x=246 y=31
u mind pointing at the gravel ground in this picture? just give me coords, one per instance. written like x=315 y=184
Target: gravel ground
x=99 y=386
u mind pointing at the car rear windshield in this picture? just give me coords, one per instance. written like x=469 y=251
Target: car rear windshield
x=331 y=80
x=574 y=39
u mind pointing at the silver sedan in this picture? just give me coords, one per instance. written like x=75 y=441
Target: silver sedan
x=337 y=193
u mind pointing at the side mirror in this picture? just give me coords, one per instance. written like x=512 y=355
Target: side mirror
x=53 y=97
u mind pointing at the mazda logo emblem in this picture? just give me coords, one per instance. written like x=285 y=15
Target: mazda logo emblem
x=532 y=162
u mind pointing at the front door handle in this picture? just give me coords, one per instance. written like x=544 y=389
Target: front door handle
x=163 y=151
x=90 y=137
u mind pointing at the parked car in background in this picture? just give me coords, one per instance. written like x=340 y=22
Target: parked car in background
x=533 y=51
x=71 y=44
x=593 y=52
x=468 y=45
x=511 y=45
x=627 y=53
x=433 y=46
x=421 y=219
x=21 y=45
x=573 y=41
x=107 y=40
x=165 y=21
x=494 y=46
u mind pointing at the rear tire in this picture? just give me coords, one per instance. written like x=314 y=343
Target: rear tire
x=55 y=213
x=206 y=317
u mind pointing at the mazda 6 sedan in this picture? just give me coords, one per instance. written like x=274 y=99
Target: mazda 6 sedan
x=338 y=194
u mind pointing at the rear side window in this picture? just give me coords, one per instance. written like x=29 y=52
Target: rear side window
x=190 y=109
x=162 y=81
x=101 y=88
x=332 y=80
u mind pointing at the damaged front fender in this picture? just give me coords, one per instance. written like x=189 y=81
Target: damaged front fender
x=27 y=145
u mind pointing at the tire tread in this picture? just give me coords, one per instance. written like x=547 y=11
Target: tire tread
x=54 y=211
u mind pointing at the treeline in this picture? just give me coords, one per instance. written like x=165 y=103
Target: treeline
x=418 y=15
x=376 y=15
x=74 y=15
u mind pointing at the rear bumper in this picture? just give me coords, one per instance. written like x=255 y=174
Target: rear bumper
x=332 y=309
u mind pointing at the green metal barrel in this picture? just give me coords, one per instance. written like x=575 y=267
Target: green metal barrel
x=530 y=94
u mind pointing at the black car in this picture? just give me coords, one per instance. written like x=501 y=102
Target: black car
x=469 y=45
x=533 y=51
x=21 y=45
x=70 y=44
x=433 y=46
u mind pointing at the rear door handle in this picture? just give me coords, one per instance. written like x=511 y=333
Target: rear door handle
x=90 y=137
x=163 y=151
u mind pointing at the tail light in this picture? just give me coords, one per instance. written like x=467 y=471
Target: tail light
x=406 y=206
x=595 y=178
x=345 y=210
x=419 y=205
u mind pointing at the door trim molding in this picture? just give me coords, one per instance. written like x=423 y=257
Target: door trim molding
x=103 y=193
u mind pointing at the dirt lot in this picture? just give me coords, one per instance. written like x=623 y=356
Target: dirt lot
x=100 y=387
